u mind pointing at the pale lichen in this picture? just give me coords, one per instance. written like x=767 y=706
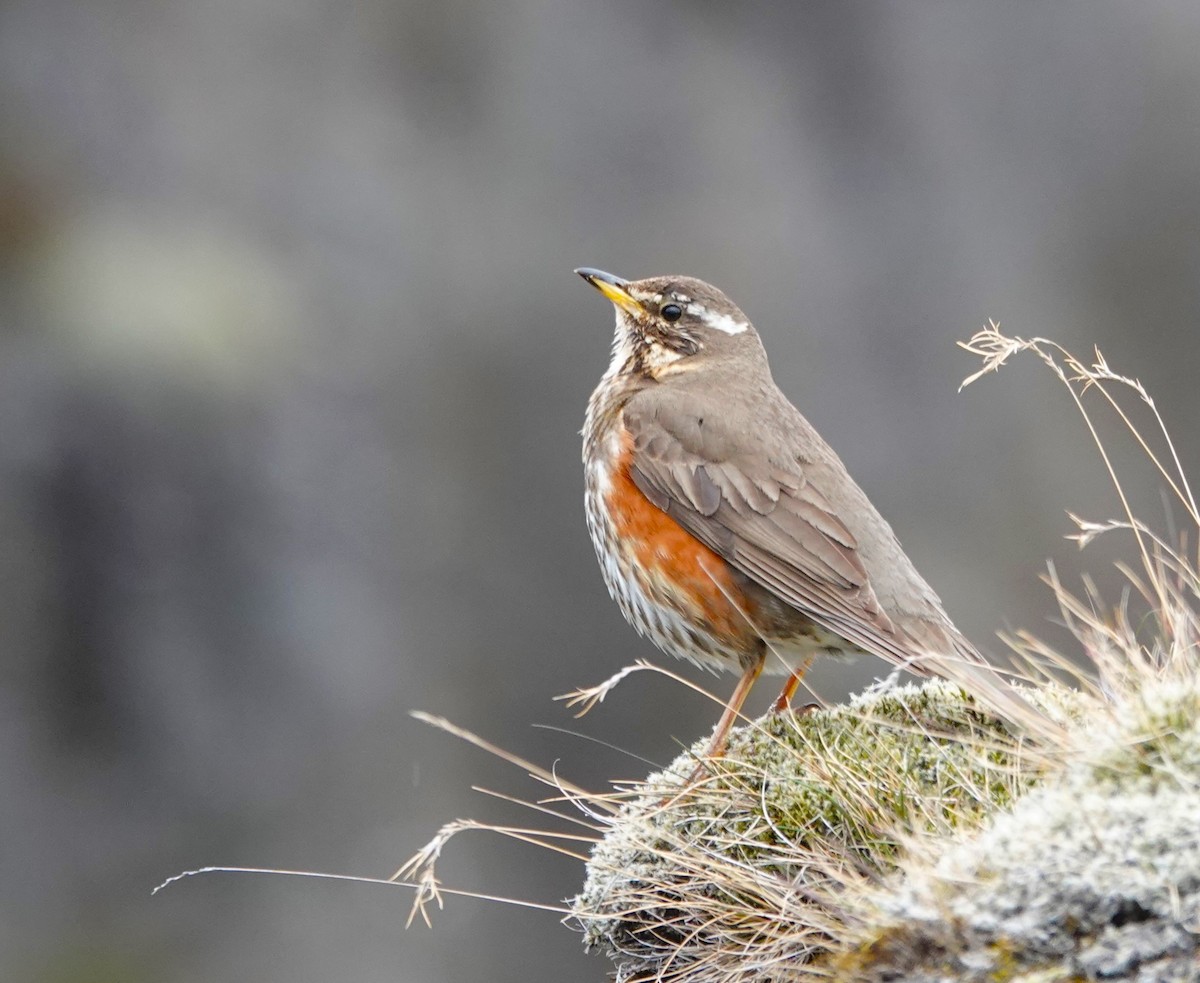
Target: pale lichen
x=1094 y=875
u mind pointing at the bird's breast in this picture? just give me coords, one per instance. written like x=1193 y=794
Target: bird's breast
x=668 y=584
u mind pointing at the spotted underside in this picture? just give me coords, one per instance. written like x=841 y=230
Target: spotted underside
x=680 y=593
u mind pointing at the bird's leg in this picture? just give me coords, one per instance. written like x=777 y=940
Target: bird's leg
x=789 y=688
x=716 y=747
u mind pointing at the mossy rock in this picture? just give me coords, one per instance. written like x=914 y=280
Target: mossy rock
x=802 y=806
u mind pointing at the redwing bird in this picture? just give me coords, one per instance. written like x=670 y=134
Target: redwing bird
x=727 y=530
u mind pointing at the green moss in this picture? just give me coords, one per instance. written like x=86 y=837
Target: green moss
x=799 y=802
x=1159 y=739
x=845 y=776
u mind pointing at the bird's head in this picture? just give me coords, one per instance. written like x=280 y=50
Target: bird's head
x=673 y=324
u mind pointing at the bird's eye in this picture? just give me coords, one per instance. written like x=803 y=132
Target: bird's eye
x=671 y=312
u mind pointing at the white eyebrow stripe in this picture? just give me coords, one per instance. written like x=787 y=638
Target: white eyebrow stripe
x=719 y=322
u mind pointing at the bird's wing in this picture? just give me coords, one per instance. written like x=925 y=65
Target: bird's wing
x=767 y=511
x=763 y=512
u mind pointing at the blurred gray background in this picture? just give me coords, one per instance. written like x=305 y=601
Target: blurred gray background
x=292 y=366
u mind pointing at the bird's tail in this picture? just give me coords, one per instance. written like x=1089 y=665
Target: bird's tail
x=991 y=686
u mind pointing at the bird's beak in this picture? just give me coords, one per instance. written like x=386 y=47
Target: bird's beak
x=613 y=287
